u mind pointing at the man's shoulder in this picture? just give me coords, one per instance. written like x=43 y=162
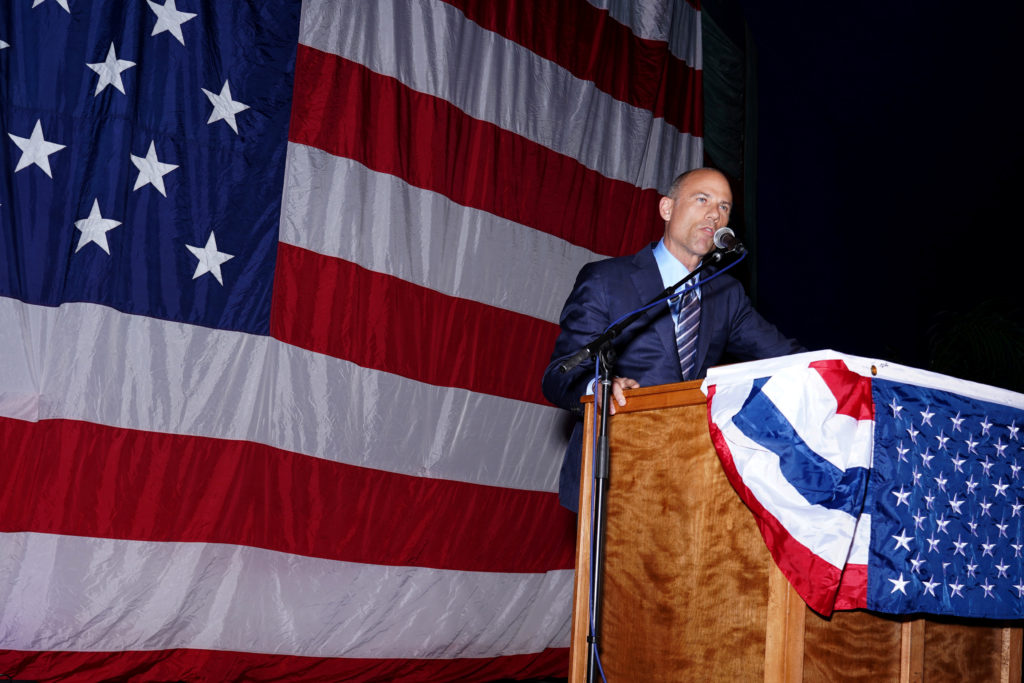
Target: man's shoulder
x=620 y=264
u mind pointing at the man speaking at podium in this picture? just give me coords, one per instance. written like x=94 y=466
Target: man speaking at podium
x=663 y=346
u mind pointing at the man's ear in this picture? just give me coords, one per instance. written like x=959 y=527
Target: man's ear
x=665 y=205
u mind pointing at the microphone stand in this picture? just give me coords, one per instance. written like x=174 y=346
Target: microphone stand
x=603 y=349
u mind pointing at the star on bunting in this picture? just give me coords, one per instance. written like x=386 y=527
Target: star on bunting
x=110 y=70
x=224 y=108
x=210 y=259
x=95 y=228
x=899 y=585
x=930 y=586
x=151 y=170
x=35 y=150
x=903 y=541
x=62 y=3
x=4 y=44
x=169 y=19
x=902 y=497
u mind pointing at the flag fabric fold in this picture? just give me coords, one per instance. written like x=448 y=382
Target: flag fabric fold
x=878 y=486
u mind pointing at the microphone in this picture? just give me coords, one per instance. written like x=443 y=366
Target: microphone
x=725 y=239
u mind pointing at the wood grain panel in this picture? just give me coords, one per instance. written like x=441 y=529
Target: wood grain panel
x=688 y=595
x=851 y=646
x=962 y=651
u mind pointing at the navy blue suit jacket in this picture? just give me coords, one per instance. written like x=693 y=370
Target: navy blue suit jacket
x=607 y=290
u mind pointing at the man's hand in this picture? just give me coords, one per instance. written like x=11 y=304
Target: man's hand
x=618 y=384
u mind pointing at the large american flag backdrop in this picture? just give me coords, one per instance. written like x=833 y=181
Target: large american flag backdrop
x=277 y=286
x=876 y=485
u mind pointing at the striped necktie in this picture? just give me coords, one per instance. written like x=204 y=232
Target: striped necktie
x=687 y=312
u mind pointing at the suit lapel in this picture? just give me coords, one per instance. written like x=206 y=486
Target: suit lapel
x=647 y=280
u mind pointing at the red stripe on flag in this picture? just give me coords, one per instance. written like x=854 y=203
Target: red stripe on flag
x=379 y=321
x=599 y=49
x=81 y=479
x=200 y=666
x=345 y=109
x=815 y=580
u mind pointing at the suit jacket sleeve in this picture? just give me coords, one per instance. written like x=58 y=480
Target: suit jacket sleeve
x=584 y=317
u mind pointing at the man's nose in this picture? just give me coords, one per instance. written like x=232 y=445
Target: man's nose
x=714 y=213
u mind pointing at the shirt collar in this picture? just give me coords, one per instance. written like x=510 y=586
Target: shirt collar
x=672 y=271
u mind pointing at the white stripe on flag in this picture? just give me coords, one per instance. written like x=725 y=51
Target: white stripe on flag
x=447 y=247
x=93 y=594
x=176 y=378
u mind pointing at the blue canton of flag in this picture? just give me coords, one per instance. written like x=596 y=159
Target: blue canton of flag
x=143 y=155
x=948 y=510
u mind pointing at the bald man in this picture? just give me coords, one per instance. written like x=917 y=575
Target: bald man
x=720 y=320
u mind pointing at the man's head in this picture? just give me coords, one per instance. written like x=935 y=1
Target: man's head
x=697 y=204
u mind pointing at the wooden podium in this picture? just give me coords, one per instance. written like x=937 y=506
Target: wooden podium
x=691 y=593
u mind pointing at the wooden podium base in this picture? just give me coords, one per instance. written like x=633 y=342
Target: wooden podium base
x=691 y=593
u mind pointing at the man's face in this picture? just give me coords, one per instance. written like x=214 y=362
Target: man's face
x=701 y=206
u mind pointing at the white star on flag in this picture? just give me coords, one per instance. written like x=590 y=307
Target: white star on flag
x=168 y=18
x=224 y=107
x=210 y=259
x=110 y=70
x=985 y=426
x=956 y=503
x=956 y=589
x=895 y=407
x=899 y=585
x=151 y=170
x=926 y=416
x=35 y=150
x=902 y=497
x=903 y=541
x=95 y=228
x=62 y=3
x=930 y=586
x=4 y=44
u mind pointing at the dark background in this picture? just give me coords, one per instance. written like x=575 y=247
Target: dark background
x=884 y=163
